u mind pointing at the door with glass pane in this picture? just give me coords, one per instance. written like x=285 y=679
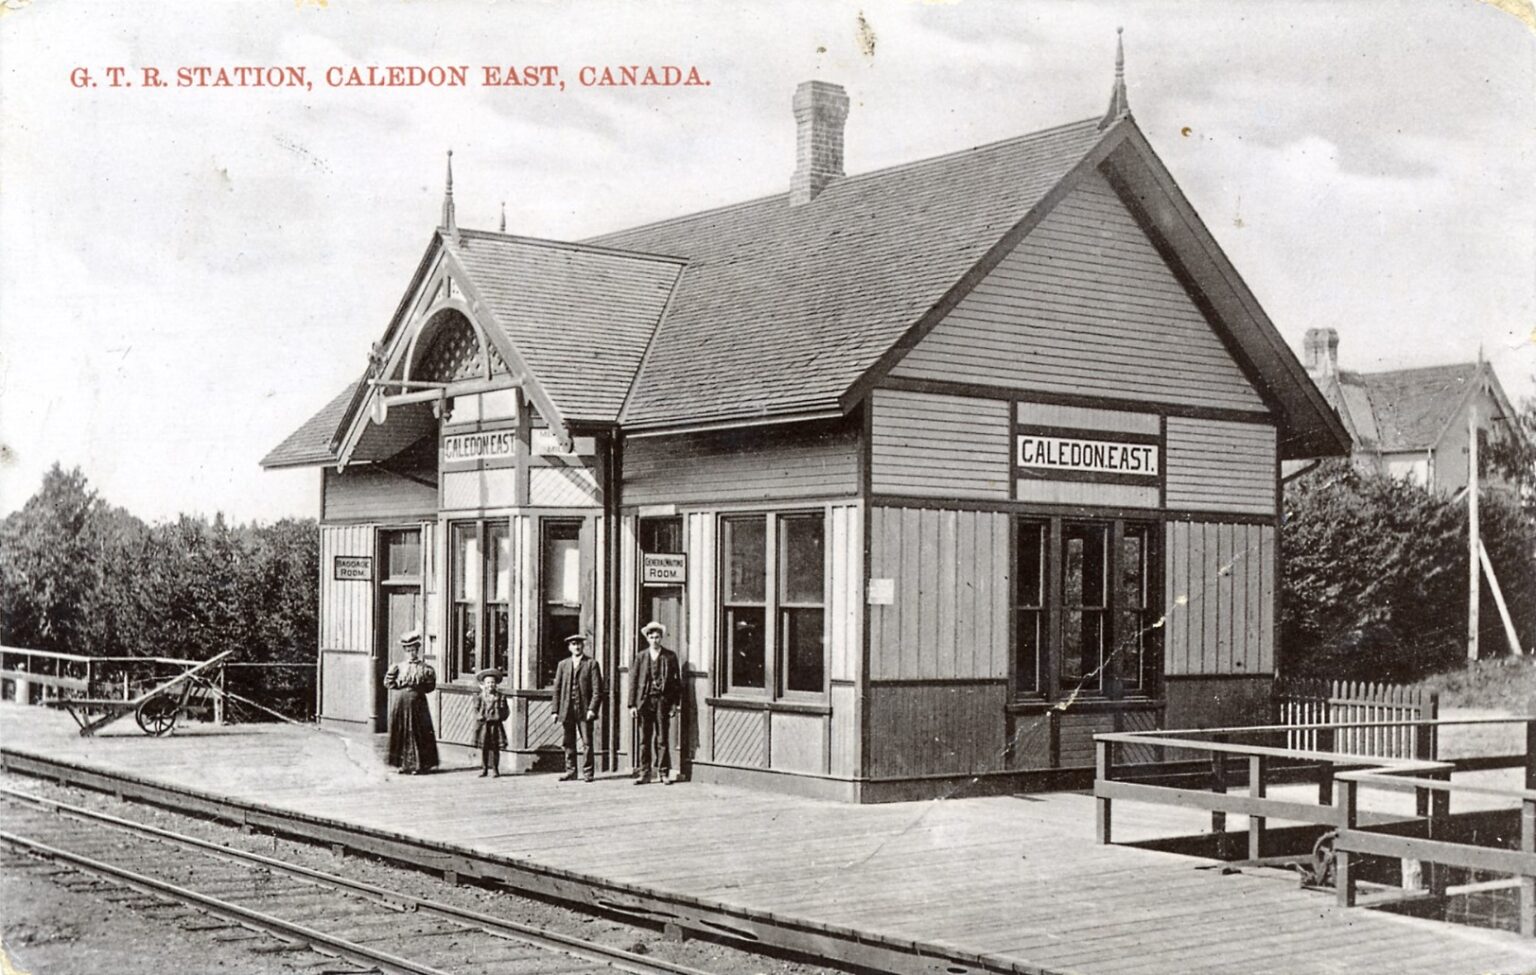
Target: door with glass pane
x=399 y=606
x=479 y=589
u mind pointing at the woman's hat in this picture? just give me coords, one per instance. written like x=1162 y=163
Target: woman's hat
x=654 y=626
x=490 y=672
x=409 y=637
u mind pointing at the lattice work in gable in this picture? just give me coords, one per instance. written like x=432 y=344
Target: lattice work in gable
x=498 y=364
x=455 y=355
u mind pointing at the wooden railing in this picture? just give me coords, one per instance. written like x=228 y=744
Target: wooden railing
x=55 y=675
x=1340 y=776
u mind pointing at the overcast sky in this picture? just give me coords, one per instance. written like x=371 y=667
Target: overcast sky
x=190 y=273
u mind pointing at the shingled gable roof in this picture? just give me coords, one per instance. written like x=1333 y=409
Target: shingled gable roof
x=791 y=311
x=1410 y=409
x=784 y=307
x=795 y=310
x=577 y=316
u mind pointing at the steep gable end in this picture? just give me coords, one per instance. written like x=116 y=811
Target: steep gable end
x=1084 y=305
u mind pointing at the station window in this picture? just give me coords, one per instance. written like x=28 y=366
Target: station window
x=480 y=586
x=1029 y=606
x=773 y=603
x=1098 y=579
x=560 y=594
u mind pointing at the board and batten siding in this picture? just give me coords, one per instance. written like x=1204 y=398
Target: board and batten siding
x=1217 y=465
x=933 y=445
x=1084 y=305
x=804 y=461
x=362 y=493
x=346 y=628
x=1220 y=598
x=950 y=574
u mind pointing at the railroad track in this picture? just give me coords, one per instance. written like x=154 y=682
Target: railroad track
x=297 y=907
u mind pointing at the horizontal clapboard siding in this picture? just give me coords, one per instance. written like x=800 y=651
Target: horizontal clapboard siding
x=942 y=446
x=1220 y=598
x=810 y=460
x=368 y=493
x=1084 y=305
x=949 y=614
x=1220 y=466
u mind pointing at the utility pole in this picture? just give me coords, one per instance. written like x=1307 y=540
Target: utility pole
x=1473 y=577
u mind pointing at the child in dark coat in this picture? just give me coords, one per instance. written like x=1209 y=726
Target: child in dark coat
x=490 y=711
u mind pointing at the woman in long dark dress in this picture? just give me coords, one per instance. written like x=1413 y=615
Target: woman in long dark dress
x=412 y=741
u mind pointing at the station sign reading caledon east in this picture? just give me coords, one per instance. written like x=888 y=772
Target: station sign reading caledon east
x=1075 y=454
x=480 y=446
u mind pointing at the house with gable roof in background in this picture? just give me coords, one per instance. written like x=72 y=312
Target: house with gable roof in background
x=1412 y=423
x=931 y=473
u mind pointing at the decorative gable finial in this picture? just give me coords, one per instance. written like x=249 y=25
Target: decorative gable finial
x=1119 y=103
x=449 y=223
x=503 y=216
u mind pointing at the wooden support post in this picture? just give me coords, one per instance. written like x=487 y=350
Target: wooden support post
x=1421 y=750
x=1104 y=771
x=1438 y=825
x=218 y=699
x=1528 y=883
x=1348 y=816
x=1325 y=739
x=1258 y=769
x=1219 y=785
x=1530 y=754
x=1473 y=577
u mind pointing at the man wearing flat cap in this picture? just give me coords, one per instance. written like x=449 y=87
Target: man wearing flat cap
x=578 y=698
x=655 y=685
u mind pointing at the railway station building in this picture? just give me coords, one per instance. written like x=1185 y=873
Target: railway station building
x=931 y=473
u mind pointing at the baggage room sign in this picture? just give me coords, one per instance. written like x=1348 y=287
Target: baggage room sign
x=1078 y=456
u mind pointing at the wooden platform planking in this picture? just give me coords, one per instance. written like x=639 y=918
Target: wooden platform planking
x=1016 y=878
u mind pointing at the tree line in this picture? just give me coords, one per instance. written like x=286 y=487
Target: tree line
x=78 y=575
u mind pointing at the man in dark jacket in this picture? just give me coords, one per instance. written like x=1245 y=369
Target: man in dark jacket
x=655 y=685
x=578 y=697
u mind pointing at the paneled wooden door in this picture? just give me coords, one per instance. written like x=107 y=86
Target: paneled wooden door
x=399 y=603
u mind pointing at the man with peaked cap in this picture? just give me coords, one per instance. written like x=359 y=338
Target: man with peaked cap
x=655 y=685
x=578 y=698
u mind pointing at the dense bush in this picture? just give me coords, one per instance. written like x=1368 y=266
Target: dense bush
x=79 y=576
x=1374 y=579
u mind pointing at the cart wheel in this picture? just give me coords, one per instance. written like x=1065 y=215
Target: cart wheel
x=156 y=715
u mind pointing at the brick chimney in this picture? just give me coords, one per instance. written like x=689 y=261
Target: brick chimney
x=820 y=110
x=1321 y=351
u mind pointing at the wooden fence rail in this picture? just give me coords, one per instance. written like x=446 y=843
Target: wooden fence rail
x=1337 y=804
x=1305 y=704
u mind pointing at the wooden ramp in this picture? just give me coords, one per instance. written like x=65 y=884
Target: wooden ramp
x=1013 y=884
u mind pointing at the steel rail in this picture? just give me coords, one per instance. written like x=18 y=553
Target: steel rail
x=224 y=909
x=511 y=930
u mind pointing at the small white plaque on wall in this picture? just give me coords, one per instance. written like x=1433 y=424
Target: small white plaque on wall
x=882 y=592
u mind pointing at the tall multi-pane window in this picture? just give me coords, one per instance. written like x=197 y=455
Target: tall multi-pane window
x=802 y=602
x=1085 y=601
x=465 y=591
x=773 y=603
x=479 y=589
x=1133 y=620
x=1029 y=607
x=560 y=595
x=744 y=546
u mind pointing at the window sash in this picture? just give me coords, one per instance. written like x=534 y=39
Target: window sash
x=772 y=590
